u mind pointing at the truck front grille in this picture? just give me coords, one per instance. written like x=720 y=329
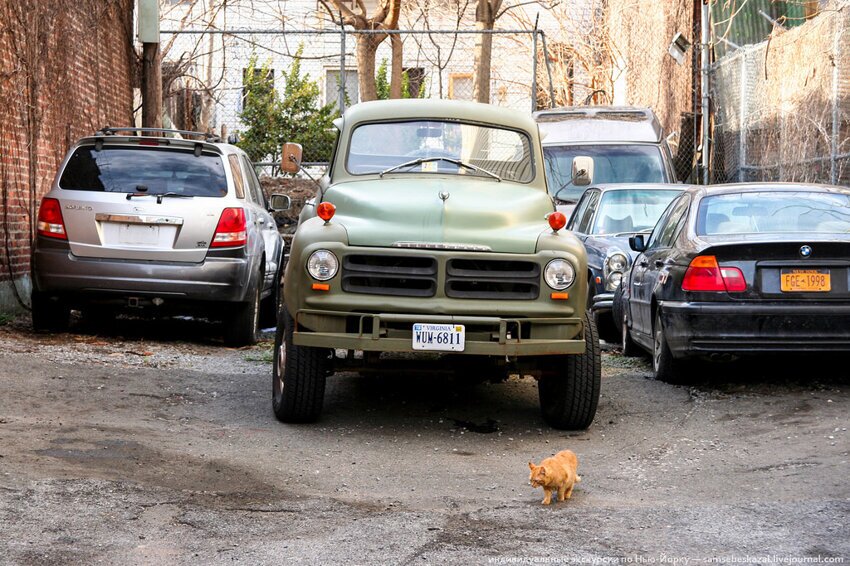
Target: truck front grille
x=492 y=279
x=401 y=276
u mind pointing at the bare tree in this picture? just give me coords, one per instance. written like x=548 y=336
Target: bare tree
x=385 y=18
x=437 y=54
x=487 y=12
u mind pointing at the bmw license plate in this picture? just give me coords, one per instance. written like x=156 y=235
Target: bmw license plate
x=439 y=337
x=805 y=280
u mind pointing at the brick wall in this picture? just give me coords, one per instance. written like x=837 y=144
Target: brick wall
x=66 y=69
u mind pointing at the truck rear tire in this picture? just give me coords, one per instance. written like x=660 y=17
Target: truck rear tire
x=298 y=376
x=569 y=390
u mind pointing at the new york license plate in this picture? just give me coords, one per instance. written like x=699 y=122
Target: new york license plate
x=805 y=280
x=439 y=337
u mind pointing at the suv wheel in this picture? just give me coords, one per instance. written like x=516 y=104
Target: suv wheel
x=48 y=314
x=569 y=385
x=298 y=377
x=242 y=328
x=269 y=305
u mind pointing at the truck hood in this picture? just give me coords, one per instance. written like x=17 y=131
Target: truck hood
x=506 y=217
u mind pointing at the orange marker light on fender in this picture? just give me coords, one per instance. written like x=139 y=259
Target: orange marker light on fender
x=321 y=287
x=557 y=220
x=326 y=211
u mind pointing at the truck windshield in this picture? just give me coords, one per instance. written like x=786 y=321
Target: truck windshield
x=145 y=169
x=398 y=146
x=611 y=164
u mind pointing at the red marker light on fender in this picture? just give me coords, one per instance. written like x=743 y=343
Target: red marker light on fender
x=326 y=211
x=557 y=220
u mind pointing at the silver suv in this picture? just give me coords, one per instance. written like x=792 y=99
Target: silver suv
x=169 y=225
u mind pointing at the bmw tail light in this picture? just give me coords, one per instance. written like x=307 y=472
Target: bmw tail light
x=50 y=221
x=704 y=274
x=231 y=231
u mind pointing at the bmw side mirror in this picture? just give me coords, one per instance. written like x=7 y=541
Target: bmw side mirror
x=637 y=242
x=279 y=202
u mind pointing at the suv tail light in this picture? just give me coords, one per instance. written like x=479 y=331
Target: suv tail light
x=704 y=274
x=50 y=222
x=231 y=230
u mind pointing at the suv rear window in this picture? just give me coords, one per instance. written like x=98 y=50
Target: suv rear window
x=144 y=169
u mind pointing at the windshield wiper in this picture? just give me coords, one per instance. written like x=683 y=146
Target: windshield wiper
x=457 y=162
x=159 y=196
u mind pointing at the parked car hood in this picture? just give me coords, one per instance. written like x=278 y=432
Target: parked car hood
x=506 y=217
x=602 y=243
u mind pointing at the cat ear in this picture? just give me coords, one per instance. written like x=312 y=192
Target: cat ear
x=531 y=466
x=542 y=470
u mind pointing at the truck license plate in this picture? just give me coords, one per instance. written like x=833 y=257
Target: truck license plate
x=439 y=337
x=805 y=280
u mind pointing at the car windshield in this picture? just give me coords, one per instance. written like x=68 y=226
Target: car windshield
x=774 y=212
x=611 y=164
x=631 y=210
x=144 y=169
x=375 y=148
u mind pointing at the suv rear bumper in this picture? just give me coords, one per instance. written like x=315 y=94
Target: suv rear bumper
x=486 y=336
x=56 y=271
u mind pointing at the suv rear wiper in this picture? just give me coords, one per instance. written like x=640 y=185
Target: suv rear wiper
x=457 y=162
x=159 y=196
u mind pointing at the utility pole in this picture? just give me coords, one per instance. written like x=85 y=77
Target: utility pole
x=151 y=64
x=705 y=106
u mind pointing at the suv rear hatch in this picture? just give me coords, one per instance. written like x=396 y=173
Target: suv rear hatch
x=140 y=200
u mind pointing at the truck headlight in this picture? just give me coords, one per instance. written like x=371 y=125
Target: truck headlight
x=322 y=265
x=559 y=274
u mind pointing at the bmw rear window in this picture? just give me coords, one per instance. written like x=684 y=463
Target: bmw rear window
x=774 y=212
x=144 y=169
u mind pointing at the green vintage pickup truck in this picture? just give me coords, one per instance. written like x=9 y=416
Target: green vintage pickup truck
x=433 y=232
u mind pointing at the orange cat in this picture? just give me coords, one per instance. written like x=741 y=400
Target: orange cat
x=557 y=472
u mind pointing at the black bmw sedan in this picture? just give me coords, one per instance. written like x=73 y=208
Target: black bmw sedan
x=740 y=269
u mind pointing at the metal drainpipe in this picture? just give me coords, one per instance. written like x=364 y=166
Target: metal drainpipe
x=706 y=99
x=342 y=77
x=534 y=65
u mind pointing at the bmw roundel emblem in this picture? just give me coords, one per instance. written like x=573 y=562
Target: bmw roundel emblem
x=806 y=251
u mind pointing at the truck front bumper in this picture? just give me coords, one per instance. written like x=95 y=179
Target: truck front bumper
x=485 y=336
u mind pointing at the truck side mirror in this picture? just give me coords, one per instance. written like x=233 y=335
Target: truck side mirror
x=637 y=242
x=582 y=170
x=290 y=158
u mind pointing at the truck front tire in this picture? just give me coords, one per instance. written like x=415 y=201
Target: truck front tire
x=298 y=376
x=569 y=385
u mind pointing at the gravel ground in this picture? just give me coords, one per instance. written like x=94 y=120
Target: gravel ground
x=152 y=443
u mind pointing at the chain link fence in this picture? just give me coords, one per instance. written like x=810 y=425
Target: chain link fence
x=207 y=85
x=781 y=108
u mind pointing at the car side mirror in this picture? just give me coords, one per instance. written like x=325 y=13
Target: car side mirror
x=638 y=242
x=279 y=202
x=582 y=170
x=290 y=158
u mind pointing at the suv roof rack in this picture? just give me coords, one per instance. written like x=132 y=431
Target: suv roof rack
x=107 y=131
